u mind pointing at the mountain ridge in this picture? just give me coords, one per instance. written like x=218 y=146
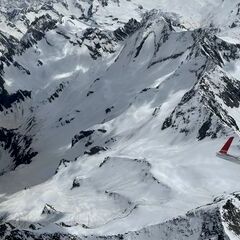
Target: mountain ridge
x=111 y=112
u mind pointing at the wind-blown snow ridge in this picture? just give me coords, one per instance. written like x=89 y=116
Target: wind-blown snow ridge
x=219 y=220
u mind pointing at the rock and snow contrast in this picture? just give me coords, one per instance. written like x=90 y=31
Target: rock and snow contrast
x=111 y=112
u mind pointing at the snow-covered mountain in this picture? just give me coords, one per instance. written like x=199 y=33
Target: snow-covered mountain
x=111 y=112
x=219 y=220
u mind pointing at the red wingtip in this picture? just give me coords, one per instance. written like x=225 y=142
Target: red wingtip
x=226 y=146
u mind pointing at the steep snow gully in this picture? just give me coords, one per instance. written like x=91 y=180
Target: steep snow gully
x=111 y=112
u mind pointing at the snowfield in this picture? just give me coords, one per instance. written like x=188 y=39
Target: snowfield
x=111 y=114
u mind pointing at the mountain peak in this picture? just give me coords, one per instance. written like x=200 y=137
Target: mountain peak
x=111 y=112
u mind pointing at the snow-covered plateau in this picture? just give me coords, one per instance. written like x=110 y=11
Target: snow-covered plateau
x=111 y=114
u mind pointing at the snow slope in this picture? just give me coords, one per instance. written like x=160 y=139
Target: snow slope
x=111 y=114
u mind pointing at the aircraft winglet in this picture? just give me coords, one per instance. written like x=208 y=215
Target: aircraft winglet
x=226 y=146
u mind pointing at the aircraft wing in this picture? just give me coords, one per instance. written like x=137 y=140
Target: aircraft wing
x=223 y=153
